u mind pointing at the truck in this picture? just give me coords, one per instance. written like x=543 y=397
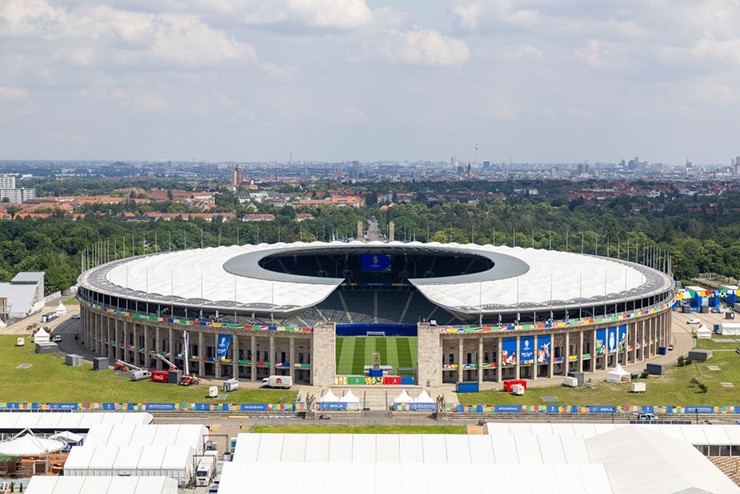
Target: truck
x=284 y=382
x=206 y=468
x=135 y=372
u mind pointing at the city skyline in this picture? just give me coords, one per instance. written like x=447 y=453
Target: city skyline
x=344 y=80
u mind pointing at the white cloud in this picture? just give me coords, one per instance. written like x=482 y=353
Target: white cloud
x=139 y=101
x=417 y=47
x=13 y=93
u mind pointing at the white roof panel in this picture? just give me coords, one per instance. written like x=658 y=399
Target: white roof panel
x=435 y=448
x=458 y=448
x=294 y=448
x=151 y=458
x=388 y=448
x=363 y=448
x=340 y=448
x=317 y=448
x=121 y=435
x=411 y=448
x=271 y=448
x=481 y=449
x=98 y=435
x=247 y=448
x=78 y=460
x=103 y=459
x=528 y=449
x=551 y=449
x=504 y=450
x=127 y=458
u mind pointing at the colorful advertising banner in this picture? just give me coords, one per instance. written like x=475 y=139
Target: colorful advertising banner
x=612 y=340
x=600 y=341
x=543 y=349
x=526 y=350
x=622 y=345
x=508 y=351
x=224 y=340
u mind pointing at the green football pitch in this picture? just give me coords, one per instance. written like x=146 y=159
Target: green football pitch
x=355 y=352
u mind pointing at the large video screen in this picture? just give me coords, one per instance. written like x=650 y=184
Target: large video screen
x=375 y=263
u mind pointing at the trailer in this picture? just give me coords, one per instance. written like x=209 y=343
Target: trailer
x=206 y=468
x=135 y=372
x=283 y=382
x=184 y=380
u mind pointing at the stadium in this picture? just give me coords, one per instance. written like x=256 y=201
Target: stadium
x=320 y=312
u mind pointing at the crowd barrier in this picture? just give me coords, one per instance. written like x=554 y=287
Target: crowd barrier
x=594 y=409
x=151 y=407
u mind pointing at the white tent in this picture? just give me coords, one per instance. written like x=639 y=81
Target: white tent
x=41 y=336
x=67 y=437
x=61 y=309
x=26 y=444
x=618 y=375
x=403 y=397
x=329 y=397
x=704 y=332
x=96 y=485
x=352 y=401
x=729 y=329
x=424 y=397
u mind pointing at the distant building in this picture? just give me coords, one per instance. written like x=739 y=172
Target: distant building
x=737 y=166
x=9 y=192
x=237 y=177
x=23 y=296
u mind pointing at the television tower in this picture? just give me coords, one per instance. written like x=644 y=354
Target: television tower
x=476 y=154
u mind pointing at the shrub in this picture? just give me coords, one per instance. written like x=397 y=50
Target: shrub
x=694 y=381
x=703 y=387
x=644 y=374
x=680 y=362
x=688 y=361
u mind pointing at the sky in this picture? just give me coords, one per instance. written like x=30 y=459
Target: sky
x=538 y=81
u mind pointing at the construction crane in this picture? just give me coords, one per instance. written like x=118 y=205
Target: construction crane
x=186 y=379
x=134 y=371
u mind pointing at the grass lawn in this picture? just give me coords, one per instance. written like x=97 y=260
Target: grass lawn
x=50 y=380
x=71 y=301
x=674 y=388
x=354 y=352
x=362 y=429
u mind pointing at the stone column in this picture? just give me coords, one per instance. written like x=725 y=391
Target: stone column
x=272 y=355
x=518 y=357
x=291 y=357
x=171 y=344
x=429 y=351
x=324 y=355
x=158 y=346
x=499 y=348
x=201 y=355
x=480 y=360
x=566 y=353
x=580 y=350
x=135 y=352
x=551 y=363
x=460 y=371
x=216 y=360
x=235 y=356
x=593 y=350
x=253 y=360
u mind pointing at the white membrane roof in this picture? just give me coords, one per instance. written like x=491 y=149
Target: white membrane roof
x=548 y=279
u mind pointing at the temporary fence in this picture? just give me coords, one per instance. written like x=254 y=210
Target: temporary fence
x=153 y=407
x=595 y=409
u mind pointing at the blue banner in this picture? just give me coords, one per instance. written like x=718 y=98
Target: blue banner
x=622 y=338
x=600 y=341
x=543 y=348
x=699 y=409
x=159 y=406
x=602 y=409
x=332 y=405
x=64 y=406
x=612 y=340
x=224 y=340
x=508 y=351
x=526 y=350
x=508 y=408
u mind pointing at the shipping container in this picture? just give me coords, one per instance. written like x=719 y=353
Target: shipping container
x=159 y=376
x=467 y=387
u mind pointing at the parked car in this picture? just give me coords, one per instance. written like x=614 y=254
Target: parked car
x=57 y=338
x=693 y=320
x=646 y=417
x=75 y=316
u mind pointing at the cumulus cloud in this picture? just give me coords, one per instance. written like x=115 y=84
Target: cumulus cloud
x=13 y=93
x=417 y=46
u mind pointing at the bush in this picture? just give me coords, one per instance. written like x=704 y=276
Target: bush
x=688 y=361
x=694 y=381
x=681 y=361
x=703 y=387
x=644 y=374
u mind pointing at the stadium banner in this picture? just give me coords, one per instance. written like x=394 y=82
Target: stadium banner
x=332 y=406
x=159 y=407
x=375 y=263
x=224 y=340
x=508 y=351
x=600 y=341
x=622 y=338
x=543 y=348
x=526 y=350
x=612 y=340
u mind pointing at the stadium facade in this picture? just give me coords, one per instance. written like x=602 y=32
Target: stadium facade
x=480 y=312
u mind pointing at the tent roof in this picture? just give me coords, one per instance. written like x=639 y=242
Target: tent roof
x=403 y=397
x=618 y=370
x=660 y=464
x=424 y=397
x=67 y=436
x=101 y=485
x=349 y=397
x=27 y=444
x=329 y=397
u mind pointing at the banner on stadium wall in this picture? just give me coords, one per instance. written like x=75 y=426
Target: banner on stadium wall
x=508 y=351
x=622 y=338
x=526 y=350
x=600 y=341
x=224 y=340
x=543 y=349
x=611 y=342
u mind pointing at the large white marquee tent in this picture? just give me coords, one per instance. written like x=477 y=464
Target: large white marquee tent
x=101 y=485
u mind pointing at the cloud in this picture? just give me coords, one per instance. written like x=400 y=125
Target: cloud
x=417 y=46
x=13 y=93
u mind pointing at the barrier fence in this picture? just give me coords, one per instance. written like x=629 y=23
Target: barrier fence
x=341 y=406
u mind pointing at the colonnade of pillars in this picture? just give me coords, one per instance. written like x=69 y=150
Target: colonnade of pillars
x=249 y=356
x=483 y=357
